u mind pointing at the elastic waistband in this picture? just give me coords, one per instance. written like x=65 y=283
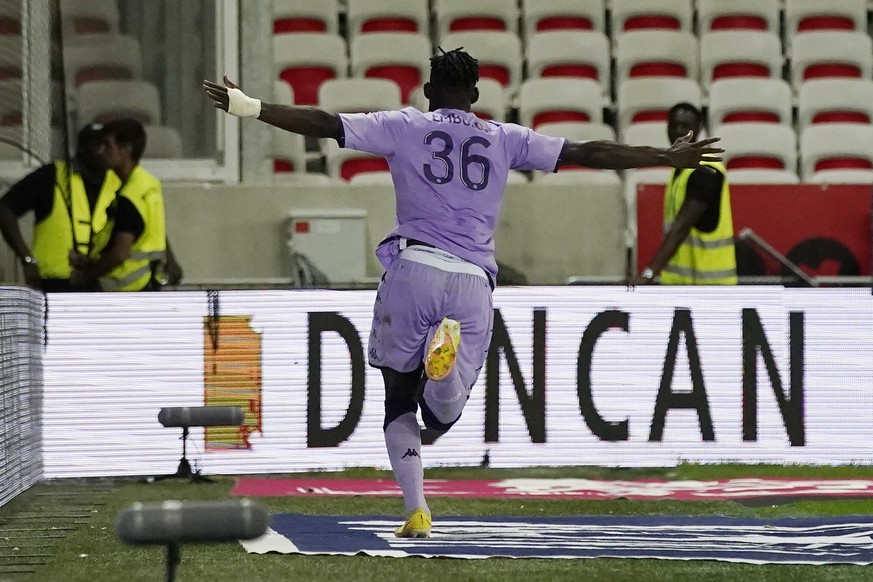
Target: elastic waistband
x=442 y=260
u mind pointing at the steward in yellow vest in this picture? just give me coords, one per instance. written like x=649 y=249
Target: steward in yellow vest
x=698 y=246
x=69 y=202
x=130 y=252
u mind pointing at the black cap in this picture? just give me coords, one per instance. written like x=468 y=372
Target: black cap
x=89 y=133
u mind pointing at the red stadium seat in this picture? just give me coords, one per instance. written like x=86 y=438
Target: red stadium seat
x=344 y=163
x=358 y=95
x=289 y=151
x=86 y=17
x=802 y=16
x=491 y=104
x=105 y=57
x=836 y=147
x=643 y=100
x=577 y=54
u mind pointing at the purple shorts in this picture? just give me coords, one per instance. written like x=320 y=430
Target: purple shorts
x=411 y=302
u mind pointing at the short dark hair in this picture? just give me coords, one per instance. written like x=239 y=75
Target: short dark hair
x=454 y=69
x=127 y=132
x=689 y=108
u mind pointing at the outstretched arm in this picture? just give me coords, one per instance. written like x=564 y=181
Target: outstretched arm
x=308 y=121
x=609 y=155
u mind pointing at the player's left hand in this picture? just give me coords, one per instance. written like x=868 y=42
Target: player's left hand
x=687 y=154
x=218 y=93
x=231 y=99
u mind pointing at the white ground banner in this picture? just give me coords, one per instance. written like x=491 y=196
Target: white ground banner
x=575 y=376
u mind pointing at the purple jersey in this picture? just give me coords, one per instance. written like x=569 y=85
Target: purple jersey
x=449 y=170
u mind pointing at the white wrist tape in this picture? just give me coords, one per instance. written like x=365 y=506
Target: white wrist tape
x=242 y=105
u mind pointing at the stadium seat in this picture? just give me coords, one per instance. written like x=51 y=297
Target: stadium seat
x=802 y=16
x=288 y=151
x=629 y=15
x=305 y=60
x=305 y=180
x=344 y=163
x=283 y=93
x=553 y=15
x=11 y=105
x=739 y=53
x=358 y=95
x=10 y=20
x=816 y=55
x=761 y=100
x=765 y=146
x=492 y=101
x=163 y=142
x=103 y=57
x=656 y=53
x=102 y=101
x=516 y=177
x=366 y=16
x=397 y=56
x=464 y=15
x=372 y=179
x=650 y=99
x=296 y=16
x=836 y=147
x=559 y=99
x=10 y=57
x=578 y=131
x=864 y=177
x=578 y=177
x=835 y=101
x=762 y=177
x=499 y=54
x=82 y=17
x=570 y=54
x=647 y=133
x=760 y=15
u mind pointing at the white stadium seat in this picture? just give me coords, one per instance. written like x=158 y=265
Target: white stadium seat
x=570 y=54
x=740 y=54
x=760 y=100
x=649 y=133
x=358 y=95
x=766 y=146
x=289 y=151
x=864 y=177
x=344 y=164
x=492 y=100
x=86 y=17
x=401 y=57
x=816 y=55
x=559 y=99
x=762 y=177
x=366 y=16
x=761 y=15
x=103 y=57
x=577 y=131
x=835 y=147
x=283 y=93
x=305 y=60
x=835 y=101
x=553 y=15
x=628 y=15
x=499 y=54
x=656 y=53
x=104 y=100
x=478 y=15
x=163 y=142
x=650 y=99
x=802 y=16
x=297 y=16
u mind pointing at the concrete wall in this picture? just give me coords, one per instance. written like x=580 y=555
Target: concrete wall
x=238 y=233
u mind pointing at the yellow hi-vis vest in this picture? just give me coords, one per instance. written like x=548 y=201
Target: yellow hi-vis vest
x=134 y=274
x=703 y=258
x=53 y=236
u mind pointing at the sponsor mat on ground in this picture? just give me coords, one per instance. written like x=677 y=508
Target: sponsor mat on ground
x=561 y=488
x=840 y=540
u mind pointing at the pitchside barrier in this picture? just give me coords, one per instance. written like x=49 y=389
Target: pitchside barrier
x=575 y=376
x=22 y=333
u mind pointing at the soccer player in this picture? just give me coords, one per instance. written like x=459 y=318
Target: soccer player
x=433 y=312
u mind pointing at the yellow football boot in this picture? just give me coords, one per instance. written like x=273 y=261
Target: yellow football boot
x=417 y=526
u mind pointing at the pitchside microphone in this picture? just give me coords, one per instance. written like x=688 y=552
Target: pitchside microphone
x=174 y=522
x=185 y=416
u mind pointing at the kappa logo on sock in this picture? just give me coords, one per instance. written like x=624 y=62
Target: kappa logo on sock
x=410 y=453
